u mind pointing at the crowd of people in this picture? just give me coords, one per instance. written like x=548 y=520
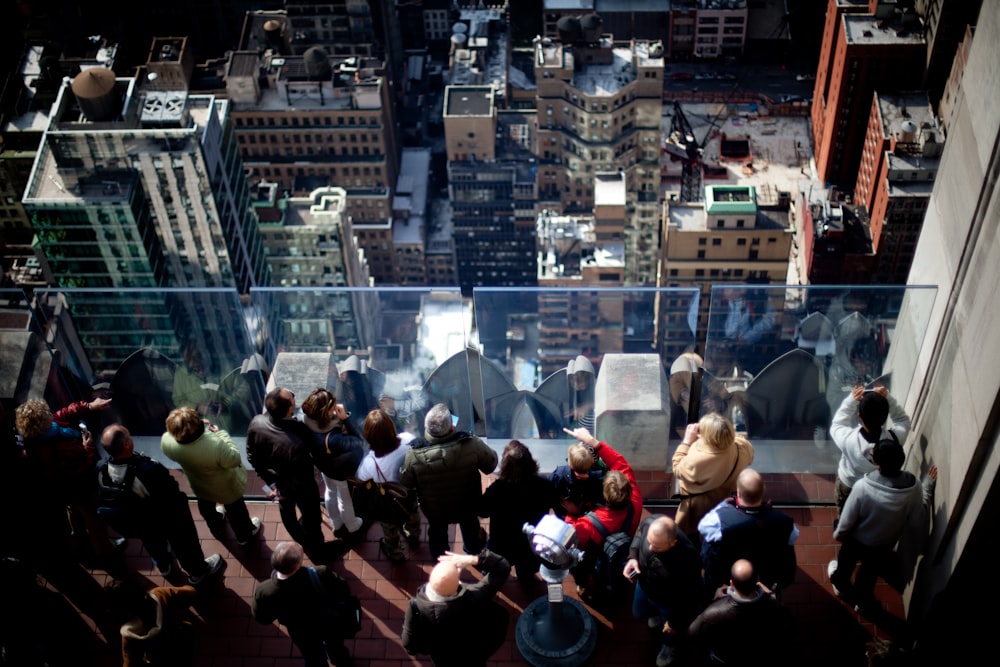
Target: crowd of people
x=707 y=580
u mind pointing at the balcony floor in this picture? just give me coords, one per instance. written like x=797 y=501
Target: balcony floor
x=831 y=633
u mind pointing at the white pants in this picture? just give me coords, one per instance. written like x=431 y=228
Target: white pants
x=339 y=506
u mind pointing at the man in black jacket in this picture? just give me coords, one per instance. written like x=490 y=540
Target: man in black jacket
x=278 y=449
x=138 y=497
x=746 y=526
x=667 y=573
x=299 y=598
x=458 y=624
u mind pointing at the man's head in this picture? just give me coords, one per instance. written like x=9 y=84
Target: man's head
x=33 y=418
x=286 y=559
x=444 y=579
x=279 y=403
x=117 y=442
x=873 y=410
x=185 y=425
x=889 y=457
x=437 y=423
x=662 y=534
x=744 y=579
x=580 y=459
x=617 y=490
x=750 y=488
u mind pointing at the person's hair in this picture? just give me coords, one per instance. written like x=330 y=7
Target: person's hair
x=889 y=457
x=744 y=577
x=617 y=490
x=716 y=431
x=276 y=404
x=873 y=410
x=517 y=464
x=185 y=424
x=114 y=439
x=579 y=458
x=286 y=557
x=193 y=359
x=320 y=406
x=664 y=526
x=437 y=423
x=33 y=418
x=380 y=432
x=750 y=487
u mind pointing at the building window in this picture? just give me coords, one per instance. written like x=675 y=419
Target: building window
x=701 y=254
x=702 y=241
x=716 y=242
x=740 y=223
x=741 y=241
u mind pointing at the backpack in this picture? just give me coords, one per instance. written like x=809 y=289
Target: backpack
x=343 y=613
x=613 y=556
x=117 y=503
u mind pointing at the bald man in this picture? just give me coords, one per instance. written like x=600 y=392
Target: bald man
x=745 y=624
x=456 y=623
x=746 y=526
x=666 y=570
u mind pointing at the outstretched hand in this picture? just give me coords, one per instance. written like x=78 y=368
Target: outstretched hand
x=460 y=561
x=99 y=404
x=933 y=473
x=583 y=435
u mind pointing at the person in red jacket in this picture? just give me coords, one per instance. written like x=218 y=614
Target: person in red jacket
x=621 y=513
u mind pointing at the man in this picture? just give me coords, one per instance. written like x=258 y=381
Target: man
x=745 y=625
x=278 y=449
x=667 y=573
x=457 y=623
x=885 y=507
x=213 y=465
x=444 y=468
x=746 y=526
x=299 y=599
x=579 y=485
x=139 y=498
x=872 y=407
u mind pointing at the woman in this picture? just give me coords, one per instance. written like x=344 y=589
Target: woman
x=337 y=451
x=212 y=463
x=518 y=495
x=382 y=464
x=706 y=465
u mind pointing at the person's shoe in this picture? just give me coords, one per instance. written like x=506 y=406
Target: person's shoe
x=831 y=572
x=655 y=622
x=253 y=533
x=396 y=556
x=413 y=541
x=215 y=566
x=166 y=569
x=665 y=657
x=118 y=544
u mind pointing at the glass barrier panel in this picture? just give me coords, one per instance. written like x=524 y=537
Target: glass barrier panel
x=153 y=350
x=27 y=361
x=400 y=349
x=780 y=361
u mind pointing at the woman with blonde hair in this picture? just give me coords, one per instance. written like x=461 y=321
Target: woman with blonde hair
x=706 y=464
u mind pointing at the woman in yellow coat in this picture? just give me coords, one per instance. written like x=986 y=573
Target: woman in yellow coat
x=706 y=464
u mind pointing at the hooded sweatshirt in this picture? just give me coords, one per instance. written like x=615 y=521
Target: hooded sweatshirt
x=881 y=510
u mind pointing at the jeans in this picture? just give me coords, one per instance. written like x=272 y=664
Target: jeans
x=644 y=606
x=340 y=506
x=236 y=513
x=304 y=496
x=437 y=536
x=874 y=561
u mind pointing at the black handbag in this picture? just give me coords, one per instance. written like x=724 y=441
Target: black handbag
x=388 y=502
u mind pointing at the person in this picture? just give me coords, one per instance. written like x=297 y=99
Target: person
x=192 y=387
x=667 y=573
x=886 y=506
x=746 y=526
x=337 y=450
x=456 y=623
x=278 y=449
x=518 y=496
x=579 y=486
x=856 y=443
x=745 y=624
x=213 y=465
x=298 y=598
x=60 y=460
x=140 y=498
x=156 y=627
x=706 y=464
x=444 y=469
x=621 y=513
x=382 y=464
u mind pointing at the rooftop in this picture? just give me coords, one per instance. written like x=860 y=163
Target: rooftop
x=865 y=29
x=468 y=101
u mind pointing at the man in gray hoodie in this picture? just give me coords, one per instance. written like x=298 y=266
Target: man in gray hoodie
x=886 y=506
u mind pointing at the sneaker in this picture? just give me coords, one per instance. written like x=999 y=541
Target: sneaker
x=253 y=533
x=831 y=571
x=215 y=565
x=665 y=656
x=655 y=622
x=395 y=556
x=166 y=569
x=118 y=544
